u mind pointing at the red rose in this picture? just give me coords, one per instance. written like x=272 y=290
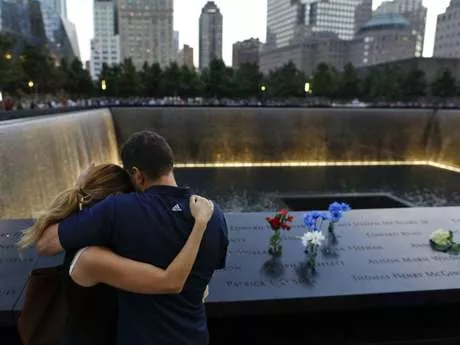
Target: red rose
x=274 y=222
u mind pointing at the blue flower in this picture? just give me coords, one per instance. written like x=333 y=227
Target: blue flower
x=337 y=210
x=313 y=220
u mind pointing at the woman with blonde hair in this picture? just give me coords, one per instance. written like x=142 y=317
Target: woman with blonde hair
x=94 y=272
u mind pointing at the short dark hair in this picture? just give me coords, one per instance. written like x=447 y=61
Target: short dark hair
x=149 y=152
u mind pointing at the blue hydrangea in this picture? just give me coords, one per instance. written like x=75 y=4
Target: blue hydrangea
x=336 y=211
x=313 y=220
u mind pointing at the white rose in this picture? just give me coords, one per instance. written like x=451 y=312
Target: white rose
x=441 y=237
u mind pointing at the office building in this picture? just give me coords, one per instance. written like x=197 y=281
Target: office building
x=387 y=37
x=415 y=13
x=185 y=57
x=105 y=46
x=247 y=51
x=447 y=42
x=146 y=31
x=322 y=47
x=283 y=20
x=293 y=24
x=211 y=29
x=337 y=16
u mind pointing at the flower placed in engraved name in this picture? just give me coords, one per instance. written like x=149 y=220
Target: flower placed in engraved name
x=312 y=240
x=443 y=241
x=442 y=237
x=315 y=238
x=281 y=220
x=336 y=211
x=314 y=220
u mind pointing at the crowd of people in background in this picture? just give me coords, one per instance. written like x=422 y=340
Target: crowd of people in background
x=9 y=104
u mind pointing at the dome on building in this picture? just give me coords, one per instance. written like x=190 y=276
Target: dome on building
x=386 y=21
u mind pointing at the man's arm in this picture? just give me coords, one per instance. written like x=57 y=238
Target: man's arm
x=90 y=227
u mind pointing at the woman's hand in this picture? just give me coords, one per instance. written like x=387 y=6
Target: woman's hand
x=202 y=209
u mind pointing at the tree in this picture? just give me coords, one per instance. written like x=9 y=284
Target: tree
x=324 y=82
x=247 y=80
x=349 y=83
x=78 y=81
x=444 y=86
x=413 y=84
x=129 y=82
x=39 y=68
x=286 y=81
x=11 y=72
x=190 y=83
x=171 y=80
x=217 y=80
x=150 y=77
x=110 y=76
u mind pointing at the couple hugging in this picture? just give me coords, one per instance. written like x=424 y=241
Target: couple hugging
x=137 y=263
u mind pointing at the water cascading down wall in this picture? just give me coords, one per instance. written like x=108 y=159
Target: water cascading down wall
x=40 y=157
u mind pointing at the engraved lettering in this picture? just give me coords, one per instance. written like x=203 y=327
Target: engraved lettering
x=247 y=284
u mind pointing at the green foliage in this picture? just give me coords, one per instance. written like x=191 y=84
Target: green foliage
x=414 y=84
x=286 y=82
x=326 y=81
x=444 y=86
x=348 y=85
x=387 y=83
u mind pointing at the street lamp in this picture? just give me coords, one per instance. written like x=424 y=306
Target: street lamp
x=8 y=56
x=263 y=88
x=307 y=88
x=31 y=84
x=103 y=85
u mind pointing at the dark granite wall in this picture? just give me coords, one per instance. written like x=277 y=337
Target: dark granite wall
x=203 y=135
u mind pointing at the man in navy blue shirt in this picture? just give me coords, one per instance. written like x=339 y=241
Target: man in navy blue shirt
x=150 y=226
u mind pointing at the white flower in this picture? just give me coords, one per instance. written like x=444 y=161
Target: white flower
x=312 y=237
x=441 y=237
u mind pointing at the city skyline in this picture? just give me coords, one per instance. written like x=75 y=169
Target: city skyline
x=186 y=20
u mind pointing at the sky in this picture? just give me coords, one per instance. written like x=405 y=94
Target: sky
x=243 y=19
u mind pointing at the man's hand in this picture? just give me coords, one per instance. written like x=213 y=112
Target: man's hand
x=49 y=243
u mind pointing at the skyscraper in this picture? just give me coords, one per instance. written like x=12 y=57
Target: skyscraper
x=146 y=31
x=447 y=42
x=283 y=18
x=105 y=46
x=58 y=6
x=211 y=27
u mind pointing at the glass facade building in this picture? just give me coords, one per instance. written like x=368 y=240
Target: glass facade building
x=38 y=24
x=290 y=21
x=337 y=16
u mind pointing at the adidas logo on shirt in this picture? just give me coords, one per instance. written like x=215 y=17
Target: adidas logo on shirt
x=177 y=208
